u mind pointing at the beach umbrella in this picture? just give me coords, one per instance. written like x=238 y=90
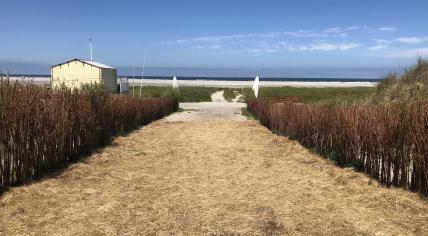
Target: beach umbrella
x=256 y=86
x=174 y=83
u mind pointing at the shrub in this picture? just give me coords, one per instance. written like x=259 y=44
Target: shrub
x=41 y=129
x=388 y=142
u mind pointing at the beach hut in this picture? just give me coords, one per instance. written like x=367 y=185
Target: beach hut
x=77 y=72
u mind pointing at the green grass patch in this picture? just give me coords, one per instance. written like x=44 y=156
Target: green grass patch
x=317 y=95
x=196 y=94
x=304 y=95
x=179 y=110
x=150 y=91
x=186 y=94
x=245 y=112
x=230 y=94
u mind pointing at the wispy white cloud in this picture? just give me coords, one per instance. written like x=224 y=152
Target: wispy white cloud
x=181 y=41
x=348 y=46
x=333 y=47
x=378 y=47
x=215 y=46
x=334 y=32
x=303 y=48
x=323 y=47
x=387 y=28
x=382 y=41
x=355 y=27
x=393 y=49
x=340 y=30
x=280 y=41
x=394 y=44
x=406 y=53
x=254 y=51
x=412 y=40
x=285 y=46
x=380 y=44
x=306 y=34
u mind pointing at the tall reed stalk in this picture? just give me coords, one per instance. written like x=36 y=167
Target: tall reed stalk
x=41 y=129
x=388 y=142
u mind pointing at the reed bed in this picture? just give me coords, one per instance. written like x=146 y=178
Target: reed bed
x=42 y=130
x=388 y=142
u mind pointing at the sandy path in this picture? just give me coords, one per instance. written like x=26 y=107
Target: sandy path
x=219 y=109
x=218 y=96
x=204 y=111
x=217 y=177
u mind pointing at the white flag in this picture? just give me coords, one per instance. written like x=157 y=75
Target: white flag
x=256 y=86
x=174 y=83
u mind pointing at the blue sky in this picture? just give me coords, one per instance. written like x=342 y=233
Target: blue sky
x=256 y=35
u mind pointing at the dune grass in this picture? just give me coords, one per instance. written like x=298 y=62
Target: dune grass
x=411 y=86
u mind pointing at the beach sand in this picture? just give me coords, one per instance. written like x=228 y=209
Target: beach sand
x=243 y=84
x=220 y=84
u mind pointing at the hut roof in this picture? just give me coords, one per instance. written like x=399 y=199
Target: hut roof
x=92 y=63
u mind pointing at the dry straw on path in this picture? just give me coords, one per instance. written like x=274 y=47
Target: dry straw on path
x=209 y=178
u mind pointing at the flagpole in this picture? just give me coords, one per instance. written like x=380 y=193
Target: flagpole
x=142 y=75
x=133 y=73
x=90 y=46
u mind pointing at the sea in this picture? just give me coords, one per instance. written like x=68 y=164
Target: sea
x=34 y=76
x=261 y=78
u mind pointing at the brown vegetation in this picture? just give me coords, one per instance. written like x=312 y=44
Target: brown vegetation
x=388 y=142
x=41 y=129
